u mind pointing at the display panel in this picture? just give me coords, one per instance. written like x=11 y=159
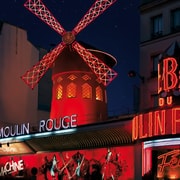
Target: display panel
x=15 y=148
x=168 y=163
x=103 y=163
x=161 y=159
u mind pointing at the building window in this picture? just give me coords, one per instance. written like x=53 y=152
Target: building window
x=86 y=91
x=86 y=77
x=99 y=94
x=59 y=92
x=157 y=26
x=72 y=77
x=59 y=79
x=155 y=100
x=155 y=61
x=71 y=90
x=175 y=20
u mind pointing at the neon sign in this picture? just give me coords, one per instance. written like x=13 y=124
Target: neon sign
x=65 y=122
x=156 y=123
x=16 y=130
x=161 y=122
x=11 y=167
x=61 y=123
x=168 y=79
x=170 y=159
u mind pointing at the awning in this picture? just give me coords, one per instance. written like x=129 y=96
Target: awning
x=171 y=51
x=86 y=137
x=81 y=140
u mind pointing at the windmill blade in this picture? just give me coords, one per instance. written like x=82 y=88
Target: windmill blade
x=32 y=76
x=104 y=73
x=96 y=9
x=41 y=11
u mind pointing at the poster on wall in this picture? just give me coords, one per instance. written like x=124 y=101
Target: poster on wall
x=94 y=164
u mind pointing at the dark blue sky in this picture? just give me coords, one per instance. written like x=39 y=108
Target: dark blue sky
x=116 y=31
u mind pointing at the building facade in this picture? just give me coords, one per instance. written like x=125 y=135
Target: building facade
x=159 y=30
x=32 y=144
x=138 y=146
x=157 y=125
x=17 y=53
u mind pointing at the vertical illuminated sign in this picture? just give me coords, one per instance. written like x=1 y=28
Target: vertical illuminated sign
x=168 y=79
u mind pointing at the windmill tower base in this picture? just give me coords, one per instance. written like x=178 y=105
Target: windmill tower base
x=78 y=93
x=76 y=89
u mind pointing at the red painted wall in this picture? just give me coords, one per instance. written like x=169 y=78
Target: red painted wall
x=114 y=162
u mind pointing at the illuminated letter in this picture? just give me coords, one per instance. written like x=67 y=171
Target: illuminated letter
x=159 y=79
x=41 y=125
x=169 y=73
x=159 y=122
x=2 y=132
x=169 y=100
x=135 y=128
x=74 y=120
x=175 y=119
x=49 y=124
x=141 y=127
x=6 y=131
x=161 y=101
x=25 y=128
x=65 y=124
x=150 y=124
x=57 y=124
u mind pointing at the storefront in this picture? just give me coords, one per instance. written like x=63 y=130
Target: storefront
x=97 y=151
x=158 y=130
x=164 y=154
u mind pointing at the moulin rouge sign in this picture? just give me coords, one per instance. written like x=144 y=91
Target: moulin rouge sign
x=49 y=125
x=156 y=123
x=162 y=121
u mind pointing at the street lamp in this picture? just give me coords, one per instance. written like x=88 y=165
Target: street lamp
x=133 y=73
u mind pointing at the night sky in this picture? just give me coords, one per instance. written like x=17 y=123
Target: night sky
x=116 y=31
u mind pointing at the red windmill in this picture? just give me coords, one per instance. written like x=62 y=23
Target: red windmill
x=66 y=60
